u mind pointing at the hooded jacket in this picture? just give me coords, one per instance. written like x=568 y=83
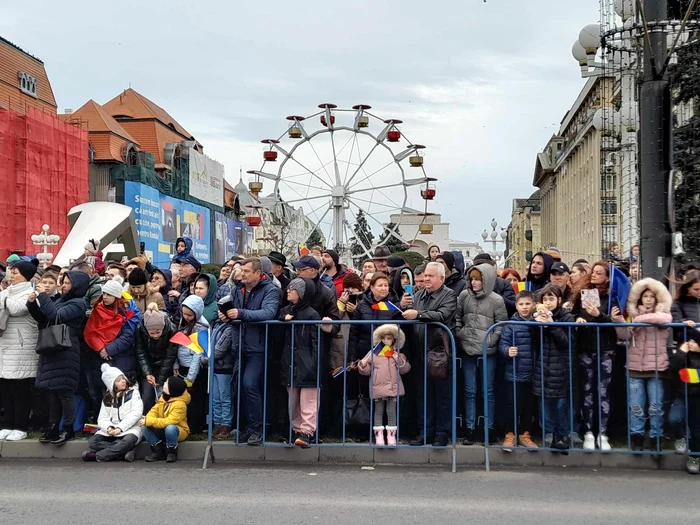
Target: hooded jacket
x=122 y=411
x=172 y=304
x=186 y=357
x=61 y=370
x=147 y=297
x=360 y=339
x=18 y=360
x=211 y=312
x=456 y=282
x=94 y=291
x=386 y=372
x=156 y=356
x=552 y=350
x=520 y=336
x=536 y=283
x=186 y=252
x=170 y=412
x=477 y=312
x=306 y=351
x=647 y=351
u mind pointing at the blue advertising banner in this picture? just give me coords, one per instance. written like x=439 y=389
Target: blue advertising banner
x=229 y=239
x=161 y=219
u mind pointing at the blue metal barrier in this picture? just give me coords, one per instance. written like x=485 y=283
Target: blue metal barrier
x=572 y=328
x=319 y=347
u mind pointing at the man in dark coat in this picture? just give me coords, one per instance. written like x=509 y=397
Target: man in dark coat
x=454 y=279
x=538 y=272
x=334 y=270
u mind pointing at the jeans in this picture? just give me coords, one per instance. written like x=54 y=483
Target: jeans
x=639 y=391
x=110 y=448
x=470 y=369
x=221 y=390
x=676 y=418
x=556 y=416
x=252 y=376
x=149 y=395
x=170 y=434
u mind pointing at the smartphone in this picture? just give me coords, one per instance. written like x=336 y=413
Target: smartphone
x=616 y=302
x=352 y=298
x=225 y=306
x=408 y=288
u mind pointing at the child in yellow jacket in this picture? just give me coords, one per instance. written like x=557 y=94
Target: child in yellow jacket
x=165 y=425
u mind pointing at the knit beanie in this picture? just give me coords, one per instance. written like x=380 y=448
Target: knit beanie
x=395 y=261
x=154 y=319
x=176 y=386
x=27 y=269
x=298 y=285
x=112 y=288
x=137 y=277
x=110 y=375
x=334 y=255
x=92 y=247
x=352 y=280
x=475 y=275
x=449 y=259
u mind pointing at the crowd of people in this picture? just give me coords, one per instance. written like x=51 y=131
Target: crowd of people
x=100 y=344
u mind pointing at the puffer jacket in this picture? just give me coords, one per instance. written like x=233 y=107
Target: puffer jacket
x=156 y=356
x=479 y=311
x=360 y=339
x=519 y=336
x=456 y=282
x=123 y=412
x=170 y=412
x=18 y=359
x=552 y=351
x=647 y=350
x=386 y=372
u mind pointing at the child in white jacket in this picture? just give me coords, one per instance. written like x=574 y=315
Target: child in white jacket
x=119 y=418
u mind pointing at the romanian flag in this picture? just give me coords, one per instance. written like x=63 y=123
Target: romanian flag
x=198 y=341
x=382 y=350
x=302 y=250
x=90 y=428
x=384 y=306
x=689 y=375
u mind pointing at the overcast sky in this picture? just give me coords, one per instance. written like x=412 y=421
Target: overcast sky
x=482 y=84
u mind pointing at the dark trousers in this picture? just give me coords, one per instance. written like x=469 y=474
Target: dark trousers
x=148 y=395
x=61 y=405
x=199 y=404
x=694 y=424
x=252 y=378
x=519 y=407
x=435 y=405
x=16 y=397
x=111 y=448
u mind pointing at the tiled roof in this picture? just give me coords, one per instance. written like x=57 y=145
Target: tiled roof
x=98 y=120
x=13 y=60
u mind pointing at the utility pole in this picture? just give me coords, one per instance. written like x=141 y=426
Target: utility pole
x=656 y=146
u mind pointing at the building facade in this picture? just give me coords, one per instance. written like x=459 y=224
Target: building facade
x=409 y=227
x=24 y=83
x=577 y=174
x=524 y=232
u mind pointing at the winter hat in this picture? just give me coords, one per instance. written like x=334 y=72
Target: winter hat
x=153 y=319
x=352 y=280
x=191 y=260
x=118 y=279
x=554 y=253
x=13 y=259
x=381 y=252
x=277 y=258
x=395 y=261
x=334 y=255
x=110 y=375
x=112 y=288
x=92 y=247
x=484 y=258
x=27 y=269
x=449 y=259
x=266 y=265
x=176 y=386
x=137 y=277
x=194 y=303
x=298 y=285
x=476 y=275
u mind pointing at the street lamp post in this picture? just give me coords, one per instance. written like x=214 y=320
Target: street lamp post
x=495 y=238
x=45 y=239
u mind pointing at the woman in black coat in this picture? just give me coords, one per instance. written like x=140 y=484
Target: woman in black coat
x=59 y=371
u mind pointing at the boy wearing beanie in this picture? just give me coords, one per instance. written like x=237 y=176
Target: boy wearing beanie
x=165 y=425
x=141 y=293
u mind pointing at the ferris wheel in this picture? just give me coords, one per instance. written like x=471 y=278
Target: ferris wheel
x=340 y=164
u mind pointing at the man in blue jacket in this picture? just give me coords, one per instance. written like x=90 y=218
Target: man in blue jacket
x=257 y=299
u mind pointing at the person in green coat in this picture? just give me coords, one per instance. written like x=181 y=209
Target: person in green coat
x=205 y=287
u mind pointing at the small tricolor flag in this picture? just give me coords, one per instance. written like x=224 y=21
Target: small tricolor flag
x=198 y=341
x=302 y=250
x=689 y=375
x=338 y=370
x=382 y=350
x=384 y=306
x=90 y=428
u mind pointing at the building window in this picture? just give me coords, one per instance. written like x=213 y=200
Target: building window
x=27 y=84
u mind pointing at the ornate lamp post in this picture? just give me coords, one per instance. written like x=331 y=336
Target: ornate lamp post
x=495 y=238
x=45 y=239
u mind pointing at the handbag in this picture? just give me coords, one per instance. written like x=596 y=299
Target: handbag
x=438 y=363
x=357 y=410
x=4 y=317
x=54 y=338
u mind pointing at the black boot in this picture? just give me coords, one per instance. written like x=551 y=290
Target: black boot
x=158 y=453
x=637 y=442
x=64 y=436
x=49 y=435
x=172 y=454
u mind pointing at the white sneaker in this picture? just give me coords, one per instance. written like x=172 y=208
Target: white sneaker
x=588 y=441
x=16 y=435
x=4 y=434
x=603 y=443
x=679 y=445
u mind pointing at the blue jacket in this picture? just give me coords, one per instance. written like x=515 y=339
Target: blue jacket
x=259 y=304
x=123 y=349
x=520 y=336
x=186 y=252
x=327 y=280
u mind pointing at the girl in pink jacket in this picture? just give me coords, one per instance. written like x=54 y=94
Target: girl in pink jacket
x=386 y=365
x=649 y=302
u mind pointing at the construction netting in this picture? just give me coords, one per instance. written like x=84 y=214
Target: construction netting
x=43 y=174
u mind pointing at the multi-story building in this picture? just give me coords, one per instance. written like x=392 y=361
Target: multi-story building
x=524 y=232
x=24 y=83
x=577 y=177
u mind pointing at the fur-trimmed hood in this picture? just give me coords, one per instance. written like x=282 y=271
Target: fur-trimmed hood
x=389 y=329
x=664 y=301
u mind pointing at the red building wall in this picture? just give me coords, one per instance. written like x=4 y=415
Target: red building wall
x=43 y=174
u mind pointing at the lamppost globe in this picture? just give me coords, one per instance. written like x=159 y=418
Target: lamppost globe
x=579 y=53
x=589 y=38
x=504 y=235
x=484 y=235
x=45 y=227
x=494 y=234
x=494 y=224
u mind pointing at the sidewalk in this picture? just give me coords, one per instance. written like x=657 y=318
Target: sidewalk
x=364 y=455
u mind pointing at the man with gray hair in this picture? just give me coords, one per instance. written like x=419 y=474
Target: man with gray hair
x=434 y=303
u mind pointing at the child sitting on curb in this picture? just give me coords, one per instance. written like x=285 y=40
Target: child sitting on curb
x=166 y=423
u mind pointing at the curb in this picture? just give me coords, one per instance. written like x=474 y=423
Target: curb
x=473 y=456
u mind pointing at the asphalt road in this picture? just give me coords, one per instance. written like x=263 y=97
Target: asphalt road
x=69 y=492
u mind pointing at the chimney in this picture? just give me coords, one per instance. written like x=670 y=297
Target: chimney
x=68 y=111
